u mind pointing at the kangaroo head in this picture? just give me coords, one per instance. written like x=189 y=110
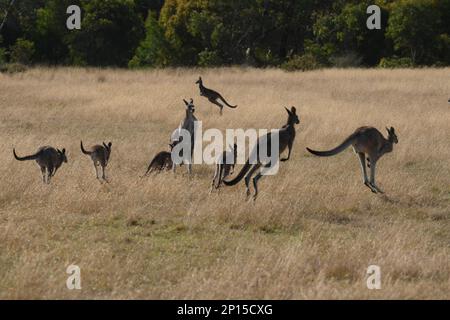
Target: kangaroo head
x=392 y=137
x=199 y=81
x=107 y=146
x=108 y=149
x=190 y=106
x=62 y=155
x=293 y=118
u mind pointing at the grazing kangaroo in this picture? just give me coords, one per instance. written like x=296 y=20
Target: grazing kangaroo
x=163 y=160
x=224 y=169
x=100 y=156
x=212 y=95
x=48 y=158
x=189 y=125
x=365 y=141
x=286 y=139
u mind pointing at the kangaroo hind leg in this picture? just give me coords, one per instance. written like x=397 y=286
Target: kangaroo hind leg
x=255 y=184
x=217 y=104
x=44 y=174
x=104 y=174
x=362 y=160
x=249 y=176
x=215 y=177
x=372 y=176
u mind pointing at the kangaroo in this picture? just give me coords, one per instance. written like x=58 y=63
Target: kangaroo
x=100 y=156
x=286 y=139
x=365 y=141
x=163 y=160
x=189 y=125
x=223 y=168
x=212 y=95
x=48 y=158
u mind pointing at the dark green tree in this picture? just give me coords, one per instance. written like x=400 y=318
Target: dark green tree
x=154 y=50
x=344 y=32
x=51 y=35
x=413 y=26
x=110 y=32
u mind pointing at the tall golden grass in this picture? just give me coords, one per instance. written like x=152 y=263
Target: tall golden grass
x=311 y=234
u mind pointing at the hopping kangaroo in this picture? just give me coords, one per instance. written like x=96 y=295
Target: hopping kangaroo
x=212 y=95
x=48 y=158
x=224 y=168
x=163 y=160
x=189 y=125
x=366 y=141
x=100 y=156
x=286 y=137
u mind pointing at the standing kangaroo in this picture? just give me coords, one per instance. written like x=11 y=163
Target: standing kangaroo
x=365 y=141
x=48 y=158
x=286 y=139
x=189 y=125
x=212 y=95
x=100 y=156
x=224 y=168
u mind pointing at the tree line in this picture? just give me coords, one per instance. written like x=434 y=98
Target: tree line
x=292 y=34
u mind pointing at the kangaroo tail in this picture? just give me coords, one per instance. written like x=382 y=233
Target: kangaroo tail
x=347 y=142
x=82 y=148
x=32 y=157
x=229 y=105
x=239 y=177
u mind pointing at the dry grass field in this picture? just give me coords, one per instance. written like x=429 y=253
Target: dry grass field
x=312 y=233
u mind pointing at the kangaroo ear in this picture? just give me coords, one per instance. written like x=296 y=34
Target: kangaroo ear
x=185 y=102
x=63 y=151
x=392 y=130
x=287 y=110
x=293 y=110
x=192 y=101
x=109 y=144
x=388 y=130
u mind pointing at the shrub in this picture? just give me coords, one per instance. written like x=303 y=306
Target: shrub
x=209 y=58
x=396 y=62
x=12 y=68
x=22 y=51
x=347 y=60
x=2 y=56
x=305 y=62
x=265 y=57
